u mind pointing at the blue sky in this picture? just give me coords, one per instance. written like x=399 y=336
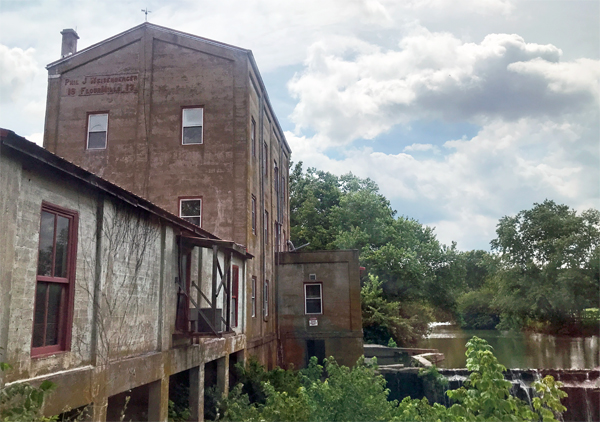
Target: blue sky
x=462 y=111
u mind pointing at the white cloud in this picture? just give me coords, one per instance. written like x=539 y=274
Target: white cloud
x=18 y=68
x=503 y=169
x=421 y=147
x=352 y=89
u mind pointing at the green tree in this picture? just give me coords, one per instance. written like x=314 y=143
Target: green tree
x=549 y=258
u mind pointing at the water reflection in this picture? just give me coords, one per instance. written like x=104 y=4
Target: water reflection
x=516 y=350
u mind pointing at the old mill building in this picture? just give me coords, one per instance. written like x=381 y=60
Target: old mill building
x=146 y=245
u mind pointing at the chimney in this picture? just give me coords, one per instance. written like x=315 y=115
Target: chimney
x=69 y=42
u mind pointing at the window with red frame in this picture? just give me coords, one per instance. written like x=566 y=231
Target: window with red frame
x=235 y=283
x=55 y=280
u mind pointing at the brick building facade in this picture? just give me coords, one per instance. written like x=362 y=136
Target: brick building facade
x=186 y=123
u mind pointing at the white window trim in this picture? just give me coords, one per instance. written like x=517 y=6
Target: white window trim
x=183 y=126
x=191 y=199
x=89 y=130
x=320 y=298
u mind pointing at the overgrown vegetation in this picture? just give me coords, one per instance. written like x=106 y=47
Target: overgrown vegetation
x=338 y=393
x=543 y=274
x=22 y=402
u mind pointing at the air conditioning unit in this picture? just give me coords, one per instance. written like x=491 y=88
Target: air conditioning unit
x=312 y=277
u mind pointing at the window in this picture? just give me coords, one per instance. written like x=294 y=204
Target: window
x=266 y=298
x=283 y=190
x=97 y=130
x=55 y=280
x=192 y=122
x=253 y=295
x=190 y=209
x=253 y=137
x=253 y=214
x=276 y=179
x=266 y=227
x=235 y=283
x=265 y=159
x=313 y=300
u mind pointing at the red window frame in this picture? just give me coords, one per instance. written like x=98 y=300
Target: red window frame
x=235 y=283
x=253 y=296
x=65 y=311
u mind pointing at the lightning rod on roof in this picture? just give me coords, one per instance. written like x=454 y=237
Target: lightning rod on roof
x=146 y=11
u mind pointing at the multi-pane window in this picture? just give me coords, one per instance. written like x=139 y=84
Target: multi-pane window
x=313 y=298
x=191 y=210
x=253 y=296
x=253 y=137
x=266 y=298
x=192 y=121
x=266 y=240
x=55 y=280
x=253 y=214
x=235 y=282
x=97 y=130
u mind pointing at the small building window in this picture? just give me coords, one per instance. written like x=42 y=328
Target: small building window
x=253 y=214
x=192 y=122
x=97 y=130
x=53 y=303
x=235 y=283
x=253 y=296
x=266 y=299
x=313 y=299
x=276 y=179
x=253 y=137
x=266 y=227
x=265 y=160
x=191 y=210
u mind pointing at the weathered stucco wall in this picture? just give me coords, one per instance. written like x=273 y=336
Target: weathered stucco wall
x=126 y=263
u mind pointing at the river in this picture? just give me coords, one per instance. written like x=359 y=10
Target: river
x=515 y=349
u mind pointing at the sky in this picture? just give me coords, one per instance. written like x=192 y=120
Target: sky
x=462 y=111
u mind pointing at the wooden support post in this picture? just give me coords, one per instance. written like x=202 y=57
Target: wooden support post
x=227 y=291
x=215 y=250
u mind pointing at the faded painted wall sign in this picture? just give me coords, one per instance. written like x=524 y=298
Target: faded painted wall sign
x=125 y=83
